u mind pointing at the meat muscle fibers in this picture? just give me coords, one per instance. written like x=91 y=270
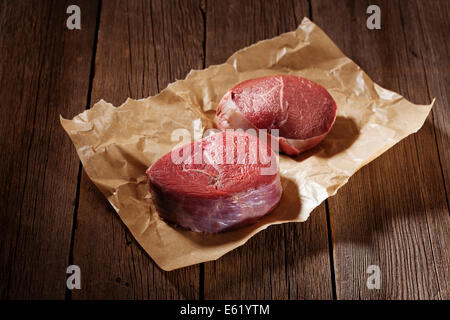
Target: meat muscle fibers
x=302 y=110
x=224 y=181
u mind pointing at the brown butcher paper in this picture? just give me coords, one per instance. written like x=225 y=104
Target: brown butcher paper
x=117 y=144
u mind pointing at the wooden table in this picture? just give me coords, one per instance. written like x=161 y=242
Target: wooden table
x=393 y=213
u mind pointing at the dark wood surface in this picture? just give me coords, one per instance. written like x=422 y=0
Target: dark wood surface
x=393 y=213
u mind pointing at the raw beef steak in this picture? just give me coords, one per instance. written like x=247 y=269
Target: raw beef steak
x=224 y=181
x=302 y=110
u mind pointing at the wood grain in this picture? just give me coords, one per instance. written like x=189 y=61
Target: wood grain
x=142 y=46
x=285 y=261
x=44 y=73
x=432 y=23
x=427 y=24
x=394 y=212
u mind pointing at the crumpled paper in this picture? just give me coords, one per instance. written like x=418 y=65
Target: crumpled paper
x=117 y=144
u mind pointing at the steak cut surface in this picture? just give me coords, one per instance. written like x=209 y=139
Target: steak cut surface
x=224 y=181
x=302 y=110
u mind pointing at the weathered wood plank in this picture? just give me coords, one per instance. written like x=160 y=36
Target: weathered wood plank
x=432 y=20
x=286 y=261
x=142 y=46
x=394 y=212
x=429 y=24
x=44 y=73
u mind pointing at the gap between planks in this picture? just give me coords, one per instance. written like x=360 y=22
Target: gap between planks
x=68 y=295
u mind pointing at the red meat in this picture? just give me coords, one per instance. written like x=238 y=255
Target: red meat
x=224 y=181
x=300 y=109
